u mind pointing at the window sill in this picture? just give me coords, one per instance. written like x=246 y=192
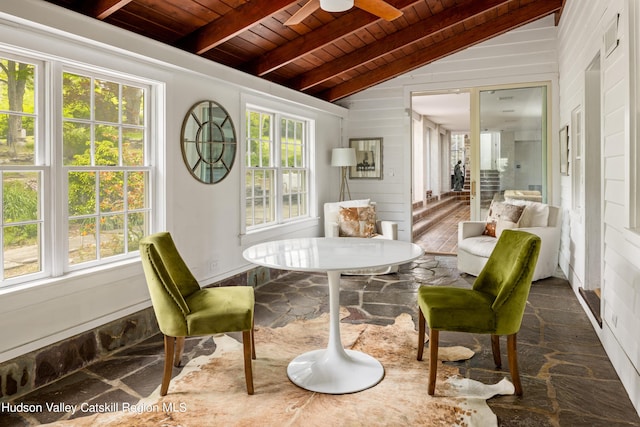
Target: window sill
x=278 y=231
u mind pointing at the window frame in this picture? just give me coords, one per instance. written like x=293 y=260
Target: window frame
x=40 y=165
x=48 y=132
x=64 y=171
x=275 y=229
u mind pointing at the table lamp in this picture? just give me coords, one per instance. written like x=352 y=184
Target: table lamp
x=343 y=157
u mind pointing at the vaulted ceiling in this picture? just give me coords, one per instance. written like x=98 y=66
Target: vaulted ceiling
x=328 y=55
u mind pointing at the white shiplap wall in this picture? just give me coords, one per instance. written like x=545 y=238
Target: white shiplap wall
x=580 y=39
x=527 y=54
x=542 y=52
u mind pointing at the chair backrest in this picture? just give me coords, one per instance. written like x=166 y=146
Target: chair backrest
x=169 y=280
x=507 y=277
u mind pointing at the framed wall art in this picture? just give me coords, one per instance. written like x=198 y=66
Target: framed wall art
x=368 y=158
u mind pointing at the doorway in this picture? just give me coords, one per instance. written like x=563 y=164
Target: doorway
x=504 y=150
x=440 y=140
x=587 y=187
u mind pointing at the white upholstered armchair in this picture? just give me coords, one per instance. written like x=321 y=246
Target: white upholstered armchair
x=545 y=221
x=357 y=218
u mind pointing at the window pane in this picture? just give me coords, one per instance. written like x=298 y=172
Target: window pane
x=107 y=150
x=21 y=247
x=82 y=193
x=17 y=140
x=303 y=202
x=253 y=124
x=82 y=240
x=285 y=152
x=249 y=219
x=111 y=235
x=76 y=141
x=253 y=157
x=137 y=229
x=76 y=96
x=299 y=131
x=265 y=125
x=20 y=197
x=111 y=191
x=136 y=195
x=132 y=147
x=132 y=105
x=20 y=78
x=107 y=101
x=263 y=204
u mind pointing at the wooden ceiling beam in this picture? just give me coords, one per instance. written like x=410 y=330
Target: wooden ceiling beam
x=478 y=34
x=231 y=24
x=323 y=36
x=102 y=9
x=396 y=41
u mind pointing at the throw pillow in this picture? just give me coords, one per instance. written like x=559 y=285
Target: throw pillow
x=501 y=217
x=357 y=222
x=535 y=214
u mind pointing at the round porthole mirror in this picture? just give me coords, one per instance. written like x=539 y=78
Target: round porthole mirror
x=208 y=142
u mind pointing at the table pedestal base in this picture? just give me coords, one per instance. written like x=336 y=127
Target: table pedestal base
x=335 y=372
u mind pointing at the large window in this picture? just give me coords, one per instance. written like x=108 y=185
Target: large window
x=104 y=136
x=276 y=169
x=21 y=169
x=87 y=184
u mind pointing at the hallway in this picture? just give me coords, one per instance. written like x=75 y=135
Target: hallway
x=435 y=227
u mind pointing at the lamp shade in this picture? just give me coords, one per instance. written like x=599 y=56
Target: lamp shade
x=336 y=5
x=343 y=157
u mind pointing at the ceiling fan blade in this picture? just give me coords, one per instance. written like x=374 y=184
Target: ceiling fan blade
x=379 y=8
x=306 y=10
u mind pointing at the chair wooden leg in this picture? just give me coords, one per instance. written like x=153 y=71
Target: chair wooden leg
x=253 y=342
x=433 y=359
x=179 y=350
x=421 y=330
x=495 y=348
x=248 y=371
x=169 y=346
x=513 y=363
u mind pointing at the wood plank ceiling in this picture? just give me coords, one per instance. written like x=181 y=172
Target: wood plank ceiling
x=328 y=55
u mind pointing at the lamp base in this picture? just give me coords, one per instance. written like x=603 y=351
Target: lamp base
x=344 y=185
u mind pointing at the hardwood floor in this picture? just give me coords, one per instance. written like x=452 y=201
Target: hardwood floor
x=443 y=237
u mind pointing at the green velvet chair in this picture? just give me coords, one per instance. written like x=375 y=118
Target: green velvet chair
x=183 y=309
x=494 y=305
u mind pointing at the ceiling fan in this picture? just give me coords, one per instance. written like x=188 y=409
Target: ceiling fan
x=379 y=8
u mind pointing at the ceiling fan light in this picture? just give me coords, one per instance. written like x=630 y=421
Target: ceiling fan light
x=336 y=5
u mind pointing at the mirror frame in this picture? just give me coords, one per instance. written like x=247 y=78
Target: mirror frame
x=208 y=142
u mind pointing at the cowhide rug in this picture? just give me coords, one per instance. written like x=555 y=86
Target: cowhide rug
x=210 y=390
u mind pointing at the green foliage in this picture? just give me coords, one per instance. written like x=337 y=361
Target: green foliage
x=20 y=203
x=90 y=138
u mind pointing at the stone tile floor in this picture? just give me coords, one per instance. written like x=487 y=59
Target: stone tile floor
x=567 y=377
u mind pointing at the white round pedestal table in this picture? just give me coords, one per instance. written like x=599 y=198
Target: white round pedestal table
x=333 y=370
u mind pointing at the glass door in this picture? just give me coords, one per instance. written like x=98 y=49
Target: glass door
x=511 y=149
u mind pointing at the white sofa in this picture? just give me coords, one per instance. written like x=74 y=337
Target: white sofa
x=474 y=248
x=384 y=229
